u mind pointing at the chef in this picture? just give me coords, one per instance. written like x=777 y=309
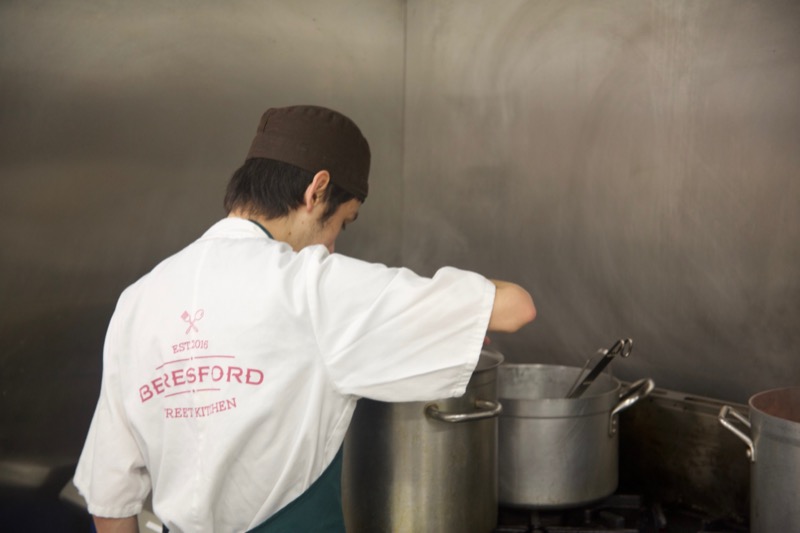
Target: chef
x=232 y=369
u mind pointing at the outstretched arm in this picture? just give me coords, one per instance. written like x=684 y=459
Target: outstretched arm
x=513 y=307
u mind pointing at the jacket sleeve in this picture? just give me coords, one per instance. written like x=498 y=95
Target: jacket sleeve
x=392 y=335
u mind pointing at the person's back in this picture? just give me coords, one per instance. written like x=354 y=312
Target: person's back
x=231 y=371
x=208 y=340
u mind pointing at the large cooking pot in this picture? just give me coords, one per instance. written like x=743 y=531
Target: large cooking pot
x=425 y=466
x=774 y=450
x=557 y=452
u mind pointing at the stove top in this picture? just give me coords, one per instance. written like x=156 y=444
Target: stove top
x=619 y=513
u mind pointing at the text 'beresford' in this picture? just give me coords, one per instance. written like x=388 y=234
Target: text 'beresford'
x=199 y=375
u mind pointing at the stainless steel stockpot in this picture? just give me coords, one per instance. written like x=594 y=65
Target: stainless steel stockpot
x=557 y=452
x=425 y=466
x=774 y=450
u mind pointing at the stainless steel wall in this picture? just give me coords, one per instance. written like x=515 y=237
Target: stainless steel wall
x=120 y=123
x=634 y=163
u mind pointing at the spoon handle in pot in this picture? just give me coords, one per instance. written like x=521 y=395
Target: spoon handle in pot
x=623 y=347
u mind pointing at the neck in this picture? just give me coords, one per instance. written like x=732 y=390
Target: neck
x=278 y=228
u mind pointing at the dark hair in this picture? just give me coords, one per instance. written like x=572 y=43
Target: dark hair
x=272 y=189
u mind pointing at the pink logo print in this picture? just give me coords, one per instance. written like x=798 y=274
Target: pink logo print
x=189 y=320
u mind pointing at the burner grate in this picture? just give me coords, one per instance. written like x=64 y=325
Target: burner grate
x=619 y=513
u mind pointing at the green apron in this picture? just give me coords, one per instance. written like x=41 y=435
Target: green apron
x=317 y=510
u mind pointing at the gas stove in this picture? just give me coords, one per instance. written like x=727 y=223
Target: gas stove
x=680 y=472
x=619 y=513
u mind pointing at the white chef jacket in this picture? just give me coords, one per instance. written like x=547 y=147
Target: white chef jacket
x=231 y=372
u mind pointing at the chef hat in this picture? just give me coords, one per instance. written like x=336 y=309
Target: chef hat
x=315 y=138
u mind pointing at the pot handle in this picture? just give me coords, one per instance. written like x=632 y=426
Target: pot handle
x=723 y=419
x=485 y=409
x=635 y=392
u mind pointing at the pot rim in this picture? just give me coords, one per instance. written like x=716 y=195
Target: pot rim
x=557 y=407
x=494 y=357
x=771 y=406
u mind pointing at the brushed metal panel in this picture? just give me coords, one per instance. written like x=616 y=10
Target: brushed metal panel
x=120 y=125
x=633 y=163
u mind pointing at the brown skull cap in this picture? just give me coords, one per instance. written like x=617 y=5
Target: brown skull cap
x=315 y=138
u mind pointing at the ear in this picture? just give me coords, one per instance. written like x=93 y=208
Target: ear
x=315 y=191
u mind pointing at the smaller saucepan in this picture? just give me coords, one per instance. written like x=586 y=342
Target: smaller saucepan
x=557 y=452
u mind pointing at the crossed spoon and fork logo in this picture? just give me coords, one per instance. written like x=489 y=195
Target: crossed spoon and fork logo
x=187 y=317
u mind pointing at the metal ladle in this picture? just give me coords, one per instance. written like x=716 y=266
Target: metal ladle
x=622 y=347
